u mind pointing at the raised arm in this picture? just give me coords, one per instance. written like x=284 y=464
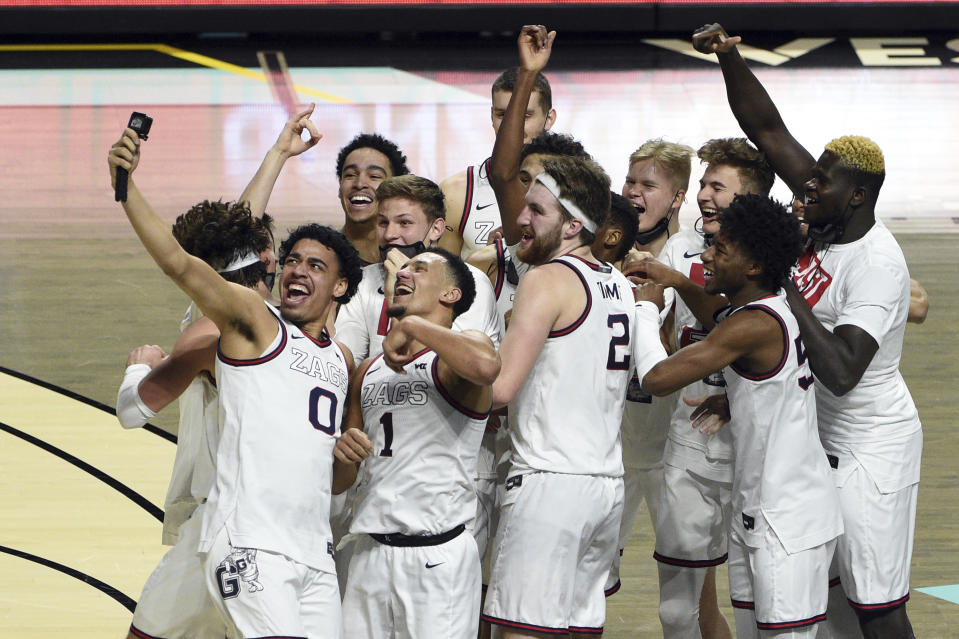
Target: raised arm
x=535 y=46
x=754 y=109
x=289 y=143
x=245 y=324
x=464 y=355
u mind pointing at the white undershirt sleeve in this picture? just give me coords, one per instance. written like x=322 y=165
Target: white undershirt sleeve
x=131 y=411
x=647 y=347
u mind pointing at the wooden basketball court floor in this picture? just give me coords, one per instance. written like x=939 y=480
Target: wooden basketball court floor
x=80 y=498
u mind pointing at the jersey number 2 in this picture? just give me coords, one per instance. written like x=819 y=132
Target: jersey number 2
x=617 y=361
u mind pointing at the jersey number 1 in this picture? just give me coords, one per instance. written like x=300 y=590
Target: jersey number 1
x=386 y=421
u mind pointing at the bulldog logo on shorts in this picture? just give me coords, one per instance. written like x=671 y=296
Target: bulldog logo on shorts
x=239 y=565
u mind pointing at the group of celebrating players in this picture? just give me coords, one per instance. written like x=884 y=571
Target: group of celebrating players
x=480 y=382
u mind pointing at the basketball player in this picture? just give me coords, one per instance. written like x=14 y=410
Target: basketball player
x=472 y=211
x=265 y=532
x=786 y=510
x=174 y=602
x=562 y=502
x=693 y=518
x=360 y=167
x=851 y=299
x=416 y=420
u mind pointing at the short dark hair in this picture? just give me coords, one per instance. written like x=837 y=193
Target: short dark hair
x=750 y=163
x=547 y=143
x=220 y=232
x=351 y=266
x=767 y=232
x=377 y=143
x=462 y=279
x=623 y=215
x=424 y=192
x=506 y=81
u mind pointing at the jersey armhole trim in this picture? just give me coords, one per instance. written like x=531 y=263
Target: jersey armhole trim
x=589 y=302
x=449 y=398
x=756 y=377
x=257 y=360
x=467 y=201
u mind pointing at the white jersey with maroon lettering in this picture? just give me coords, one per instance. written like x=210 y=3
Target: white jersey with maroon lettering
x=281 y=415
x=683 y=252
x=566 y=417
x=419 y=478
x=782 y=478
x=865 y=284
x=362 y=323
x=480 y=210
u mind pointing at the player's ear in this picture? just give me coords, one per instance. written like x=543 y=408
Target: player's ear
x=451 y=295
x=339 y=289
x=614 y=235
x=437 y=227
x=571 y=228
x=550 y=119
x=858 y=196
x=679 y=199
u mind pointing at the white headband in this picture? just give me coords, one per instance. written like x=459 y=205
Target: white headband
x=240 y=262
x=547 y=180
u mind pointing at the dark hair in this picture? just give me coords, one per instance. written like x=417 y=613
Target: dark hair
x=623 y=215
x=751 y=164
x=219 y=232
x=767 y=232
x=506 y=81
x=351 y=266
x=377 y=143
x=462 y=279
x=418 y=189
x=547 y=143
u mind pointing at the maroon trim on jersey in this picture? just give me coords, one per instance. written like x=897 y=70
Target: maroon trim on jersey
x=324 y=339
x=467 y=201
x=742 y=605
x=782 y=625
x=259 y=360
x=280 y=637
x=525 y=626
x=383 y=327
x=835 y=581
x=757 y=377
x=589 y=301
x=880 y=606
x=602 y=267
x=500 y=267
x=449 y=398
x=485 y=168
x=690 y=563
x=612 y=590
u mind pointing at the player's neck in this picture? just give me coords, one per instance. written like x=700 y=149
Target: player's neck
x=314 y=327
x=573 y=247
x=749 y=294
x=654 y=247
x=858 y=225
x=363 y=236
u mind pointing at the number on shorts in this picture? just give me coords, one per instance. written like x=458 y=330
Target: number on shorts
x=386 y=421
x=316 y=397
x=613 y=360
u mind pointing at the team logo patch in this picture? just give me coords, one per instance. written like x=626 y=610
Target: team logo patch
x=810 y=277
x=239 y=565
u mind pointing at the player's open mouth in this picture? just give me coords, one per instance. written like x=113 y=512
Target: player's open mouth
x=811 y=198
x=709 y=214
x=707 y=275
x=402 y=289
x=360 y=200
x=526 y=238
x=296 y=293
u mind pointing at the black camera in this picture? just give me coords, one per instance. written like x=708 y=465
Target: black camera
x=141 y=123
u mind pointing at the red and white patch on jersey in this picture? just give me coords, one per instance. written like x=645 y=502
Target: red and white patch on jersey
x=811 y=278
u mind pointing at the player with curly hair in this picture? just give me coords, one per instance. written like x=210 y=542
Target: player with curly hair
x=851 y=297
x=174 y=601
x=282 y=383
x=786 y=515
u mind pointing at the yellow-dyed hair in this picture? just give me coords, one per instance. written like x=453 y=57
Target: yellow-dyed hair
x=858 y=153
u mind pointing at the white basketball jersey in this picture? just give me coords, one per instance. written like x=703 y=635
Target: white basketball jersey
x=567 y=415
x=281 y=415
x=782 y=476
x=480 y=211
x=683 y=252
x=865 y=284
x=197 y=436
x=362 y=323
x=419 y=478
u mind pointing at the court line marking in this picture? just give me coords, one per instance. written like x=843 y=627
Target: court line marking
x=159 y=432
x=127 y=602
x=181 y=54
x=110 y=481
x=946 y=593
